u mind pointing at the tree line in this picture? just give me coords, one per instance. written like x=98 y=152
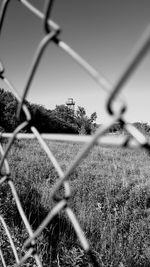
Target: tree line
x=59 y=120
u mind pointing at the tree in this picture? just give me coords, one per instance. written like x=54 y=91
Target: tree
x=60 y=120
x=42 y=118
x=93 y=117
x=85 y=124
x=47 y=121
x=8 y=106
x=65 y=113
x=78 y=118
x=81 y=112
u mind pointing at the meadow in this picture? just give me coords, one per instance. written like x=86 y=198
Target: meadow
x=110 y=197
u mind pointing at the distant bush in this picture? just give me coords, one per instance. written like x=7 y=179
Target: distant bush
x=118 y=128
x=143 y=127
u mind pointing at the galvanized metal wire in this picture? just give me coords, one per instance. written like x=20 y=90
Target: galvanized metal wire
x=136 y=140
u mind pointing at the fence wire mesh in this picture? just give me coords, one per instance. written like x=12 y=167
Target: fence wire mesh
x=136 y=139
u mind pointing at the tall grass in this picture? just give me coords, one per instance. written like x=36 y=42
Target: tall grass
x=110 y=196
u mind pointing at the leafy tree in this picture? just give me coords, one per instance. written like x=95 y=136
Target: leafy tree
x=81 y=113
x=93 y=117
x=60 y=120
x=47 y=121
x=85 y=124
x=44 y=120
x=77 y=118
x=65 y=113
x=8 y=106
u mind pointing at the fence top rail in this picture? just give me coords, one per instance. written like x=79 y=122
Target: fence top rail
x=108 y=140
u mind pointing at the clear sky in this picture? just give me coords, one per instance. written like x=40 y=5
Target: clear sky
x=104 y=32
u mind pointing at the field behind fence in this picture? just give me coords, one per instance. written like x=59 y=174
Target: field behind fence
x=134 y=138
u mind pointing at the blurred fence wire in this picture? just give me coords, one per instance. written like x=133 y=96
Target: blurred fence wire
x=134 y=139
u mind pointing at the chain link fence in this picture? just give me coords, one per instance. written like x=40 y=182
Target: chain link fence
x=134 y=139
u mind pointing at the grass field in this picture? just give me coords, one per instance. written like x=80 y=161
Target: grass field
x=110 y=196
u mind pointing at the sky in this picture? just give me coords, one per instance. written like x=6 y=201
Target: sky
x=104 y=32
